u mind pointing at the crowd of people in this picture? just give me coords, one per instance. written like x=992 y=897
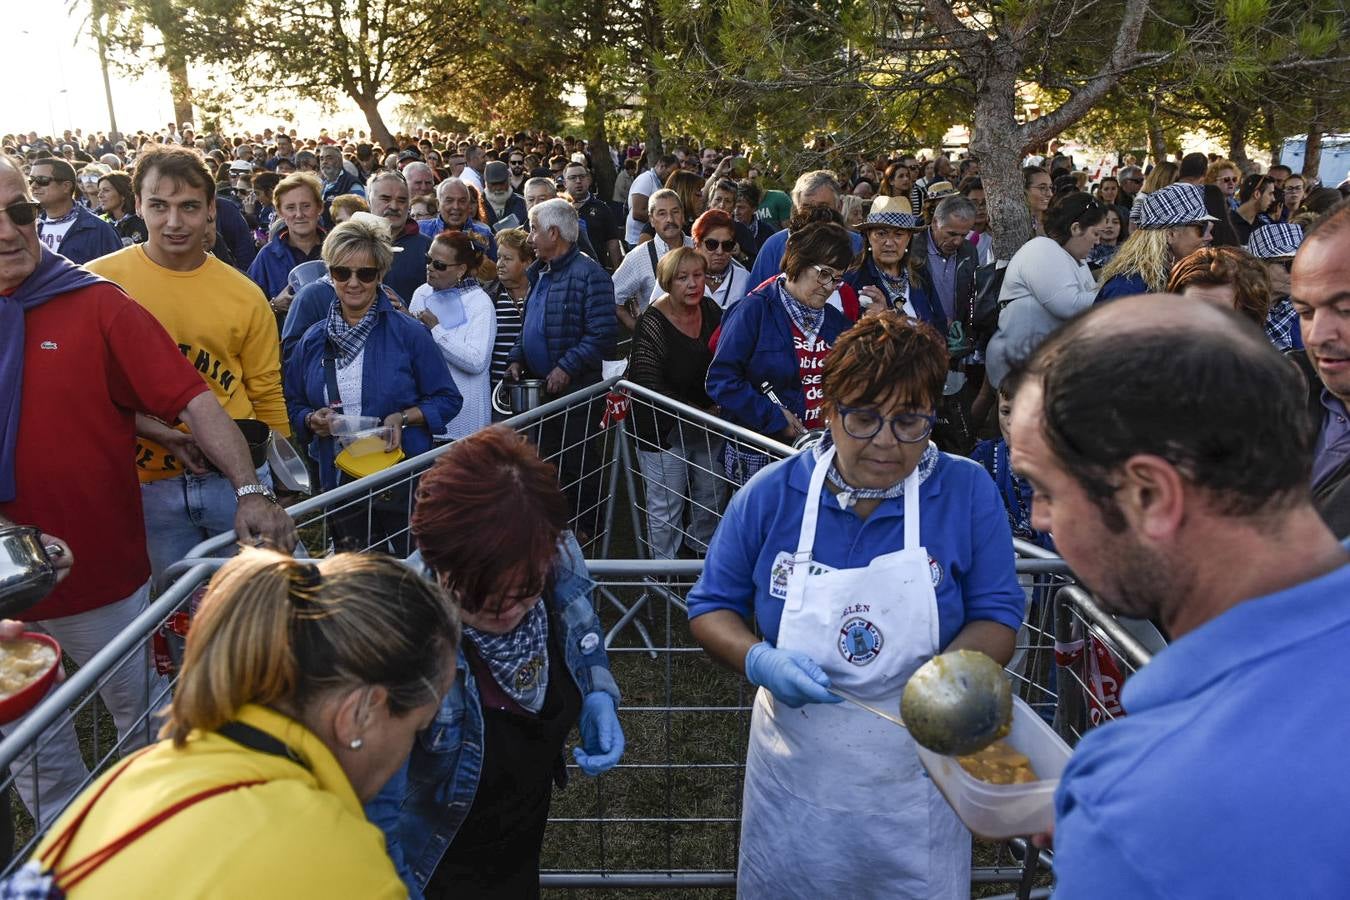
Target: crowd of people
x=174 y=302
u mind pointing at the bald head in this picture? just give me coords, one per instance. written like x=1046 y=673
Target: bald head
x=1181 y=380
x=20 y=250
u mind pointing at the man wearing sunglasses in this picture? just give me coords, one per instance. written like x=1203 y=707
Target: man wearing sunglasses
x=601 y=228
x=222 y=324
x=78 y=361
x=67 y=227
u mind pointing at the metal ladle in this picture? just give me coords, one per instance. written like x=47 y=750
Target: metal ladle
x=955 y=704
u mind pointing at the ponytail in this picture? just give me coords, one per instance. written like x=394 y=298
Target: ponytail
x=283 y=633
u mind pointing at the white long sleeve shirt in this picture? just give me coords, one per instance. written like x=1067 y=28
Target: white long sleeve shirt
x=466 y=349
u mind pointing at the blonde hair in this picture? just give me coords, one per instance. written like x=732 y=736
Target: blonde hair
x=307 y=180
x=518 y=240
x=1219 y=165
x=348 y=203
x=1163 y=174
x=669 y=266
x=363 y=233
x=286 y=634
x=1146 y=253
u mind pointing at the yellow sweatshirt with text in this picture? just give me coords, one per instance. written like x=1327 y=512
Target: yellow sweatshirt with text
x=223 y=326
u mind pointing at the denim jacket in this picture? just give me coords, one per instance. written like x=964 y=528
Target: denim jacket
x=422 y=807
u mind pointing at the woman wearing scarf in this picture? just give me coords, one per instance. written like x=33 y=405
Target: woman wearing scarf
x=826 y=552
x=765 y=373
x=460 y=316
x=364 y=358
x=882 y=278
x=465 y=817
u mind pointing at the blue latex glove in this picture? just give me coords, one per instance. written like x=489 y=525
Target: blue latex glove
x=791 y=676
x=601 y=734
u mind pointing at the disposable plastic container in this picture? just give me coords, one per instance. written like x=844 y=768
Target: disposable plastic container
x=1001 y=811
x=28 y=696
x=351 y=426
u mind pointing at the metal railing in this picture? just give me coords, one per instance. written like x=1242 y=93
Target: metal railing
x=668 y=815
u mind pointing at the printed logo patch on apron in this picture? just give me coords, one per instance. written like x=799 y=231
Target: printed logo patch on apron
x=935 y=570
x=781 y=571
x=859 y=641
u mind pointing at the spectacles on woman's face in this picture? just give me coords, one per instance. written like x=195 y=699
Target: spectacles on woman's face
x=1042 y=188
x=1227 y=179
x=864 y=423
x=364 y=274
x=438 y=265
x=712 y=246
x=22 y=213
x=828 y=277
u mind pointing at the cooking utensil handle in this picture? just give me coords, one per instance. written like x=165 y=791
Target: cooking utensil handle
x=865 y=705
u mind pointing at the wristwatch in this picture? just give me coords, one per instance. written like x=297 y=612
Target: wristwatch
x=260 y=489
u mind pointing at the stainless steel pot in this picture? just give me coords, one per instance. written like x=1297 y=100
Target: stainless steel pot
x=26 y=571
x=511 y=398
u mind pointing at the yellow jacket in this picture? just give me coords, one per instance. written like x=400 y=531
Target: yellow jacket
x=301 y=835
x=223 y=326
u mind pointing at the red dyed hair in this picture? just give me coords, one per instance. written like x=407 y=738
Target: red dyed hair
x=488 y=507
x=711 y=220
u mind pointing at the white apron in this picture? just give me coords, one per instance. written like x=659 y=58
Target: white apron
x=836 y=803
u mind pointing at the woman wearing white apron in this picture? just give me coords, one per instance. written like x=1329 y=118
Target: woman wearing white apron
x=859 y=561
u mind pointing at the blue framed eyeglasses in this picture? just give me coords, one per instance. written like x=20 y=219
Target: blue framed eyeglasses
x=863 y=424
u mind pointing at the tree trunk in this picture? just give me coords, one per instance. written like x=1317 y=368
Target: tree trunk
x=99 y=34
x=997 y=141
x=1312 y=156
x=1157 y=142
x=379 y=132
x=651 y=122
x=179 y=87
x=1238 y=120
x=594 y=119
x=1312 y=147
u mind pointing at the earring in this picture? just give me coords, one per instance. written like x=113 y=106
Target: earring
x=356 y=743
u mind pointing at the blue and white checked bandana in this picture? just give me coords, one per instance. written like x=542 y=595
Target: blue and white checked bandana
x=1176 y=204
x=807 y=320
x=848 y=495
x=349 y=339
x=518 y=660
x=1276 y=241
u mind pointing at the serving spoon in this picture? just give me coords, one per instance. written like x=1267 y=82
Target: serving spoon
x=955 y=704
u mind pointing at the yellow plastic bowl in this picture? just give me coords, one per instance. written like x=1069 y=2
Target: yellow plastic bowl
x=366 y=456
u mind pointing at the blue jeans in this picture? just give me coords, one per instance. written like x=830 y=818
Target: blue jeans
x=182 y=512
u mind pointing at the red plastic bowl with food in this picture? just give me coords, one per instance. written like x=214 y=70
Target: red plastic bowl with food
x=28 y=666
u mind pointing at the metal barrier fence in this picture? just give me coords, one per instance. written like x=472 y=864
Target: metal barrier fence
x=668 y=816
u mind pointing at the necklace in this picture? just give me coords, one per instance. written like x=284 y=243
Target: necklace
x=715 y=280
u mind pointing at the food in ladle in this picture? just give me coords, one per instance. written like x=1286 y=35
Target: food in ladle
x=21 y=663
x=999 y=764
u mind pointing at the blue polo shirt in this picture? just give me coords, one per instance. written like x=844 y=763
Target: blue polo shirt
x=962 y=524
x=1226 y=778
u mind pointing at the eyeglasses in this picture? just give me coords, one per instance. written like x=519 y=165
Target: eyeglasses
x=438 y=265
x=713 y=246
x=828 y=276
x=365 y=274
x=518 y=162
x=864 y=424
x=1230 y=179
x=40 y=180
x=22 y=213
x=1044 y=188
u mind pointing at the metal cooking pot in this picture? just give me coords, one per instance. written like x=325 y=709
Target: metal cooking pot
x=511 y=398
x=26 y=571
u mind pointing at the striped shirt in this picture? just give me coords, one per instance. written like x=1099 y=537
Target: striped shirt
x=510 y=321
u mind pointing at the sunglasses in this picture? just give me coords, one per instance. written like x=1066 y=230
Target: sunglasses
x=22 y=213
x=40 y=180
x=713 y=246
x=438 y=265
x=365 y=274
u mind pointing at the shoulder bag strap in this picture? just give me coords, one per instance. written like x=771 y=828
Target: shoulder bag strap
x=651 y=252
x=77 y=872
